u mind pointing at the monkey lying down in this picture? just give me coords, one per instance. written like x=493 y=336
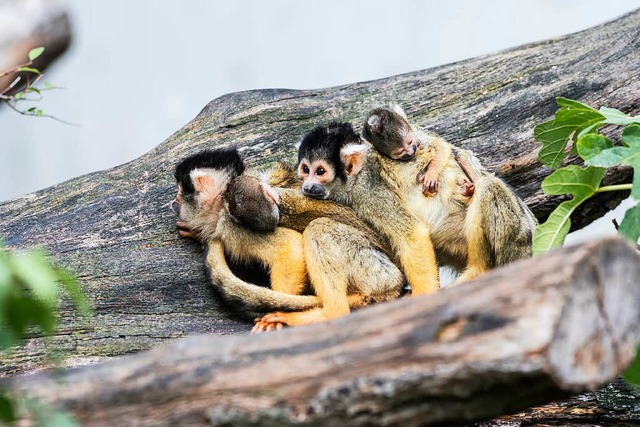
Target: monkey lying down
x=295 y=237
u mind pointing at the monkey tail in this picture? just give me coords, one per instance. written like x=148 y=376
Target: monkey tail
x=507 y=223
x=283 y=175
x=246 y=296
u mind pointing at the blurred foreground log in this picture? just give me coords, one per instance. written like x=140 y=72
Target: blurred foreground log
x=114 y=229
x=518 y=336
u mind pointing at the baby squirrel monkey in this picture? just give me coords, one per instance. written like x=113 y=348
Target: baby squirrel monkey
x=478 y=233
x=245 y=218
x=210 y=186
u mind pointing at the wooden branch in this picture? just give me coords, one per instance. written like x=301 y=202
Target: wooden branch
x=115 y=231
x=42 y=23
x=517 y=336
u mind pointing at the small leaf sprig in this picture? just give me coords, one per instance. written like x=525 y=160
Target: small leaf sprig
x=578 y=124
x=22 y=88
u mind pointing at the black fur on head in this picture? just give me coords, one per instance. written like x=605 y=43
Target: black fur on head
x=222 y=159
x=325 y=142
x=383 y=129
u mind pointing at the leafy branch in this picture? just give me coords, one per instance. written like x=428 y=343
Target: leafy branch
x=22 y=89
x=30 y=286
x=577 y=124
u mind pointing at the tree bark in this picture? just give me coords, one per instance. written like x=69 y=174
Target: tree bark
x=517 y=336
x=114 y=230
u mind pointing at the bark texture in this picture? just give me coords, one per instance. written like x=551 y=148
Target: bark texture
x=515 y=337
x=114 y=229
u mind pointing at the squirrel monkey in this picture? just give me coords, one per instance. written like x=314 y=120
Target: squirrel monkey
x=249 y=220
x=334 y=164
x=477 y=222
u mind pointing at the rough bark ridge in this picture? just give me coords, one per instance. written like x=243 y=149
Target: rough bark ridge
x=114 y=230
x=568 y=323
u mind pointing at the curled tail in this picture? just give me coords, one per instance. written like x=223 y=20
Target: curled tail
x=246 y=295
x=507 y=223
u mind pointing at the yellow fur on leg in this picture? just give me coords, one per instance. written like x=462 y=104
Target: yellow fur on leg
x=288 y=272
x=418 y=260
x=477 y=262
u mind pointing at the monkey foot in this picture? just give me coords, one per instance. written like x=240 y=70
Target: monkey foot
x=469 y=188
x=268 y=322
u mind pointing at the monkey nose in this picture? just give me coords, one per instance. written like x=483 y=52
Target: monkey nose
x=315 y=190
x=175 y=208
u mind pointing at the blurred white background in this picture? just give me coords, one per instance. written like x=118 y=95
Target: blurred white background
x=137 y=71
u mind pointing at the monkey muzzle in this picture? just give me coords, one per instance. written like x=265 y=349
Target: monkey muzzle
x=175 y=207
x=315 y=191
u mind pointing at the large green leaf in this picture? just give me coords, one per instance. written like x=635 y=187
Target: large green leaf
x=592 y=144
x=628 y=155
x=630 y=225
x=581 y=184
x=570 y=120
x=617 y=117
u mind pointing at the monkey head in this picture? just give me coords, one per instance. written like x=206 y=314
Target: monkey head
x=252 y=204
x=202 y=179
x=390 y=133
x=328 y=157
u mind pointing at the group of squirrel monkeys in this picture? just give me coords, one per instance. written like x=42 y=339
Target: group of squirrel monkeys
x=351 y=222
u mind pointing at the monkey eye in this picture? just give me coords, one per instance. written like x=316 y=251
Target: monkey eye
x=321 y=171
x=305 y=169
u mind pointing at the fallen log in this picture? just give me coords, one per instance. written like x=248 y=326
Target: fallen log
x=113 y=228
x=518 y=336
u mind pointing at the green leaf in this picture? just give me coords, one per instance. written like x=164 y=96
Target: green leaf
x=36 y=52
x=29 y=70
x=18 y=96
x=630 y=226
x=571 y=119
x=7 y=411
x=617 y=117
x=73 y=288
x=628 y=155
x=38 y=275
x=591 y=144
x=632 y=373
x=39 y=113
x=33 y=89
x=581 y=184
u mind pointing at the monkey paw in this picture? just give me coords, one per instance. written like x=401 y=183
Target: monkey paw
x=430 y=187
x=469 y=188
x=185 y=231
x=269 y=322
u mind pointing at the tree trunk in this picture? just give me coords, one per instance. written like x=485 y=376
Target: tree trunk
x=113 y=229
x=515 y=337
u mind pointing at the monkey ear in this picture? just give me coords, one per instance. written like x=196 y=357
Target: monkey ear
x=354 y=157
x=398 y=109
x=207 y=185
x=374 y=122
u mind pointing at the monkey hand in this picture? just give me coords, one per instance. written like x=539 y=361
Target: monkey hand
x=468 y=189
x=268 y=322
x=429 y=181
x=185 y=231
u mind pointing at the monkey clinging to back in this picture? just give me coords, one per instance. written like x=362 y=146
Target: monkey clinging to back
x=495 y=223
